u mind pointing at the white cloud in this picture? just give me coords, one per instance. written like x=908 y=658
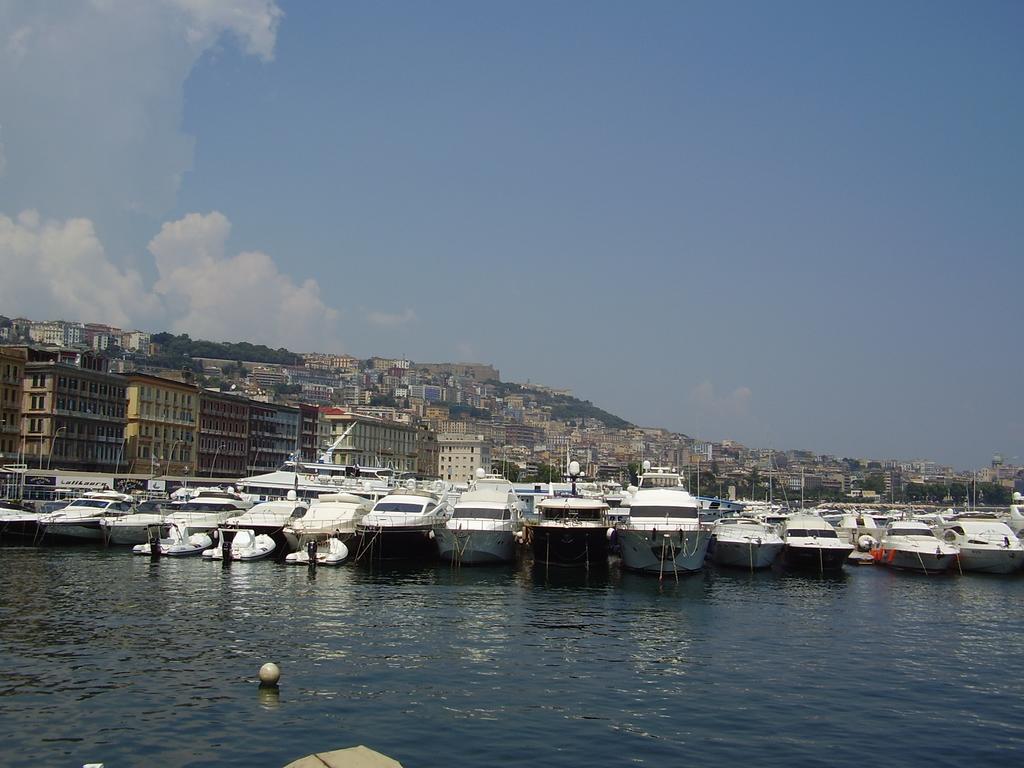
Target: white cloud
x=92 y=97
x=60 y=269
x=254 y=22
x=391 y=320
x=214 y=296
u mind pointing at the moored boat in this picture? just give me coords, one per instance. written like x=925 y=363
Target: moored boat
x=329 y=551
x=569 y=531
x=245 y=545
x=331 y=515
x=985 y=546
x=179 y=542
x=401 y=526
x=811 y=544
x=743 y=542
x=484 y=523
x=663 y=533
x=912 y=546
x=18 y=522
x=80 y=520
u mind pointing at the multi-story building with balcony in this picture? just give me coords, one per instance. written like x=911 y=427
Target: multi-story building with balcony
x=459 y=455
x=72 y=416
x=370 y=441
x=12 y=371
x=273 y=435
x=309 y=432
x=222 y=441
x=163 y=416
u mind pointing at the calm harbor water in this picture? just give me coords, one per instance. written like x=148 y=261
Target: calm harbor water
x=106 y=657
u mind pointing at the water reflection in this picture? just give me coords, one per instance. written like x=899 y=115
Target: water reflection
x=442 y=666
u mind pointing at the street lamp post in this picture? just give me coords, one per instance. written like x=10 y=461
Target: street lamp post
x=120 y=455
x=53 y=442
x=170 y=458
x=216 y=453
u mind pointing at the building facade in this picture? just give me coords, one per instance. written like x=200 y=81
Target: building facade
x=369 y=441
x=309 y=432
x=459 y=456
x=12 y=371
x=163 y=415
x=273 y=435
x=72 y=416
x=222 y=441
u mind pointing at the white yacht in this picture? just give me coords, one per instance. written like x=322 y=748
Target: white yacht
x=268 y=518
x=811 y=544
x=484 y=523
x=913 y=546
x=986 y=546
x=135 y=528
x=311 y=479
x=245 y=544
x=205 y=509
x=179 y=542
x=400 y=525
x=663 y=533
x=331 y=515
x=80 y=520
x=744 y=542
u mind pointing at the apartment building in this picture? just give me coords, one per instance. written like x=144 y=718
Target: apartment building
x=459 y=455
x=12 y=371
x=72 y=416
x=370 y=441
x=222 y=441
x=163 y=416
x=273 y=435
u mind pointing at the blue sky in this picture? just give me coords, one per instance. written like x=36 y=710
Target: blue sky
x=797 y=225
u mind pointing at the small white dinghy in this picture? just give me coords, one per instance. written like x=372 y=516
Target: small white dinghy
x=246 y=545
x=179 y=543
x=327 y=552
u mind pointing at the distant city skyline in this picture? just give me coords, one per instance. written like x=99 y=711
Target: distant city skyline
x=796 y=225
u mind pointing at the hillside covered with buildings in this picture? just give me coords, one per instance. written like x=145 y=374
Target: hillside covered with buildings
x=92 y=397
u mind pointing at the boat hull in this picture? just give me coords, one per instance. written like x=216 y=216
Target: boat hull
x=978 y=560
x=745 y=554
x=913 y=560
x=84 y=532
x=397 y=543
x=469 y=547
x=19 y=530
x=817 y=559
x=568 y=546
x=124 y=535
x=663 y=552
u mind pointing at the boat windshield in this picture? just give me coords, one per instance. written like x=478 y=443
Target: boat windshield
x=573 y=514
x=819 y=533
x=649 y=510
x=481 y=513
x=659 y=481
x=96 y=504
x=398 y=506
x=916 y=532
x=204 y=507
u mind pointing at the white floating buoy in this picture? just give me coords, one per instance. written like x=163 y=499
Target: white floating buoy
x=270 y=673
